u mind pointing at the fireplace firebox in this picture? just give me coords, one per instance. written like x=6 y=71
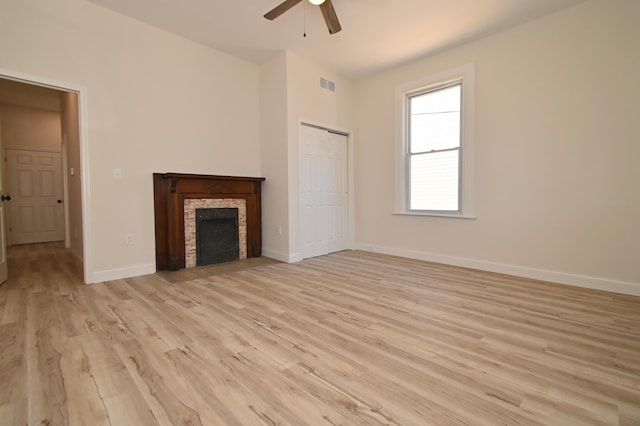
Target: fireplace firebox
x=216 y=236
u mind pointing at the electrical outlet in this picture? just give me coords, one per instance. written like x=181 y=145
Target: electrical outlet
x=117 y=174
x=129 y=239
x=279 y=230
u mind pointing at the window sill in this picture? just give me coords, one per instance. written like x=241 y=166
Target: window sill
x=446 y=215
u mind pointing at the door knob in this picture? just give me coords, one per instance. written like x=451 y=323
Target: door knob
x=5 y=197
x=59 y=201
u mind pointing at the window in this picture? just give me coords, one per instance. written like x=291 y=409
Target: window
x=433 y=167
x=434 y=148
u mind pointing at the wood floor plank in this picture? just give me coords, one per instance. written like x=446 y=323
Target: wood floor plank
x=84 y=403
x=219 y=391
x=13 y=370
x=14 y=306
x=157 y=390
x=351 y=338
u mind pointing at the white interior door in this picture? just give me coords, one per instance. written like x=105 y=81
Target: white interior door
x=3 y=239
x=36 y=213
x=313 y=191
x=323 y=191
x=338 y=191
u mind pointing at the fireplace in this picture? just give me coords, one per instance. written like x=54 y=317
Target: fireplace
x=178 y=196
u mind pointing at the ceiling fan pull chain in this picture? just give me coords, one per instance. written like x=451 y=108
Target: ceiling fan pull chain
x=304 y=19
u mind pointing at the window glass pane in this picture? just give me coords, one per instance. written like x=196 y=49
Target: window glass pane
x=434 y=181
x=435 y=120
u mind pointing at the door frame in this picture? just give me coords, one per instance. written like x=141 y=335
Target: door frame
x=65 y=193
x=83 y=124
x=350 y=231
x=4 y=272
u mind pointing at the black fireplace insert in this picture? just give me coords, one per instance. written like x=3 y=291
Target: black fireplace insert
x=216 y=236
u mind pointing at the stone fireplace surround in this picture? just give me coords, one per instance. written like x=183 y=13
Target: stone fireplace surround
x=175 y=194
x=190 y=207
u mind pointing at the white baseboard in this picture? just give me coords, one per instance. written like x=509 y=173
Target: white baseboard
x=121 y=273
x=520 y=271
x=282 y=257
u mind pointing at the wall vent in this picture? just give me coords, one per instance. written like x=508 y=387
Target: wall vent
x=328 y=84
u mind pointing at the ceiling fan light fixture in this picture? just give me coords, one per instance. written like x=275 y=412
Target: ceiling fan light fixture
x=328 y=12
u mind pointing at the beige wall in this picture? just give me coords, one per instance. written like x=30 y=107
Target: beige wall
x=28 y=95
x=557 y=143
x=29 y=128
x=273 y=106
x=154 y=102
x=291 y=94
x=70 y=131
x=308 y=102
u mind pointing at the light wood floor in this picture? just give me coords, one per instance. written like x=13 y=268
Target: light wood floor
x=351 y=338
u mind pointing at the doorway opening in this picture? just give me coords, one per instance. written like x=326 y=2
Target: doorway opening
x=40 y=142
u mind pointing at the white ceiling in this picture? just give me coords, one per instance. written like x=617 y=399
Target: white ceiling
x=376 y=34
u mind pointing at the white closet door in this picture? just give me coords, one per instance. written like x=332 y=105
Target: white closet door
x=337 y=196
x=323 y=191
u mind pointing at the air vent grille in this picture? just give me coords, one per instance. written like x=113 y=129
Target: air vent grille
x=328 y=84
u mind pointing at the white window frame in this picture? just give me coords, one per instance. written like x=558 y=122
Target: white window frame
x=466 y=75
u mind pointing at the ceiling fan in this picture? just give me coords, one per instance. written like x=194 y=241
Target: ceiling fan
x=328 y=12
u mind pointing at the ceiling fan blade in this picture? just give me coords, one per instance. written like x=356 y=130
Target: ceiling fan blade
x=280 y=9
x=330 y=17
